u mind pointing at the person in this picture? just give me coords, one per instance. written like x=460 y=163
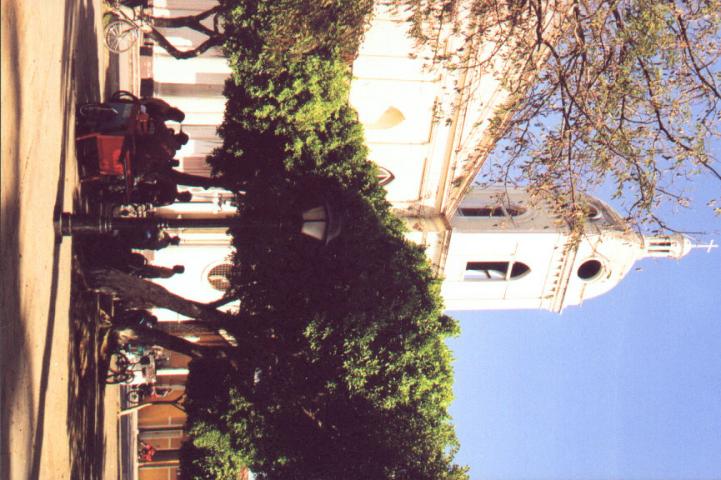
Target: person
x=159 y=191
x=156 y=271
x=136 y=317
x=146 y=452
x=162 y=110
x=116 y=254
x=162 y=240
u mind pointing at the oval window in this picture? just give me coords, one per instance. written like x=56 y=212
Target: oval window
x=219 y=276
x=589 y=269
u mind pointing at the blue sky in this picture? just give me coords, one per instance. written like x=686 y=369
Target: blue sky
x=626 y=386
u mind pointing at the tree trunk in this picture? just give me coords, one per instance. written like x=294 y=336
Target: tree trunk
x=215 y=36
x=143 y=292
x=197 y=328
x=190 y=21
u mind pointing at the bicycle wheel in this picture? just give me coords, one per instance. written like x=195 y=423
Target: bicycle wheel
x=122 y=363
x=133 y=396
x=117 y=377
x=120 y=35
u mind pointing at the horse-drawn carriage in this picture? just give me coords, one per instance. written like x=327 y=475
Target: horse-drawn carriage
x=124 y=148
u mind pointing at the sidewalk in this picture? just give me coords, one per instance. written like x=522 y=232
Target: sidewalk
x=42 y=81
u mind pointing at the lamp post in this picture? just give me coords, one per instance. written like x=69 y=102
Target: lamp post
x=321 y=223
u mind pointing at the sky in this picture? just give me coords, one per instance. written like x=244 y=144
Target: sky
x=626 y=386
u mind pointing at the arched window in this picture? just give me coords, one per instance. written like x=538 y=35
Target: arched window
x=519 y=269
x=593 y=213
x=385 y=176
x=388 y=119
x=492 y=211
x=484 y=271
x=219 y=276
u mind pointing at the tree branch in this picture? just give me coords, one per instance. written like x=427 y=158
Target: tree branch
x=215 y=40
x=190 y=21
x=148 y=293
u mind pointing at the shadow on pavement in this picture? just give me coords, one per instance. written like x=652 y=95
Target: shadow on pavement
x=13 y=347
x=87 y=360
x=86 y=365
x=86 y=355
x=86 y=388
x=71 y=22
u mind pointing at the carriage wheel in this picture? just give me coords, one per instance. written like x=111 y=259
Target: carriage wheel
x=133 y=396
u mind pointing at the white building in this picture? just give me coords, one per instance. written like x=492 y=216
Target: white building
x=427 y=128
x=506 y=253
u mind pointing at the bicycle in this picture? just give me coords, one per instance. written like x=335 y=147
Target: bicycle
x=126 y=363
x=139 y=393
x=121 y=33
x=122 y=371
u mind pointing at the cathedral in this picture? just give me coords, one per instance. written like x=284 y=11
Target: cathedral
x=427 y=129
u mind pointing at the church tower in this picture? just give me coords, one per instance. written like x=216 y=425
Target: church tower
x=508 y=253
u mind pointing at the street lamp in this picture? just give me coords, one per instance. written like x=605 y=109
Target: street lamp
x=321 y=223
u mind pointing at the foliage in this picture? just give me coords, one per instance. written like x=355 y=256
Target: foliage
x=211 y=453
x=348 y=375
x=352 y=351
x=279 y=32
x=624 y=91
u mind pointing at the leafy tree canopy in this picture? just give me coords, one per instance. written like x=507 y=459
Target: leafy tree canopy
x=624 y=91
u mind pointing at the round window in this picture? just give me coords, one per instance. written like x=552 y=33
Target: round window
x=589 y=269
x=219 y=276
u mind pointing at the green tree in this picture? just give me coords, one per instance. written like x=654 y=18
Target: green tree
x=341 y=368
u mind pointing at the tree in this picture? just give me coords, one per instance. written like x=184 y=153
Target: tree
x=341 y=370
x=182 y=178
x=283 y=28
x=214 y=33
x=623 y=91
x=353 y=378
x=319 y=385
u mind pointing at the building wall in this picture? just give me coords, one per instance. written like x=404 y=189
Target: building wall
x=425 y=124
x=162 y=425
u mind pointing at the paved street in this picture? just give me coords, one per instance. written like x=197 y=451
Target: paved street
x=51 y=59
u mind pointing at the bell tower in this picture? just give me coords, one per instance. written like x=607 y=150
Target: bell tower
x=506 y=252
